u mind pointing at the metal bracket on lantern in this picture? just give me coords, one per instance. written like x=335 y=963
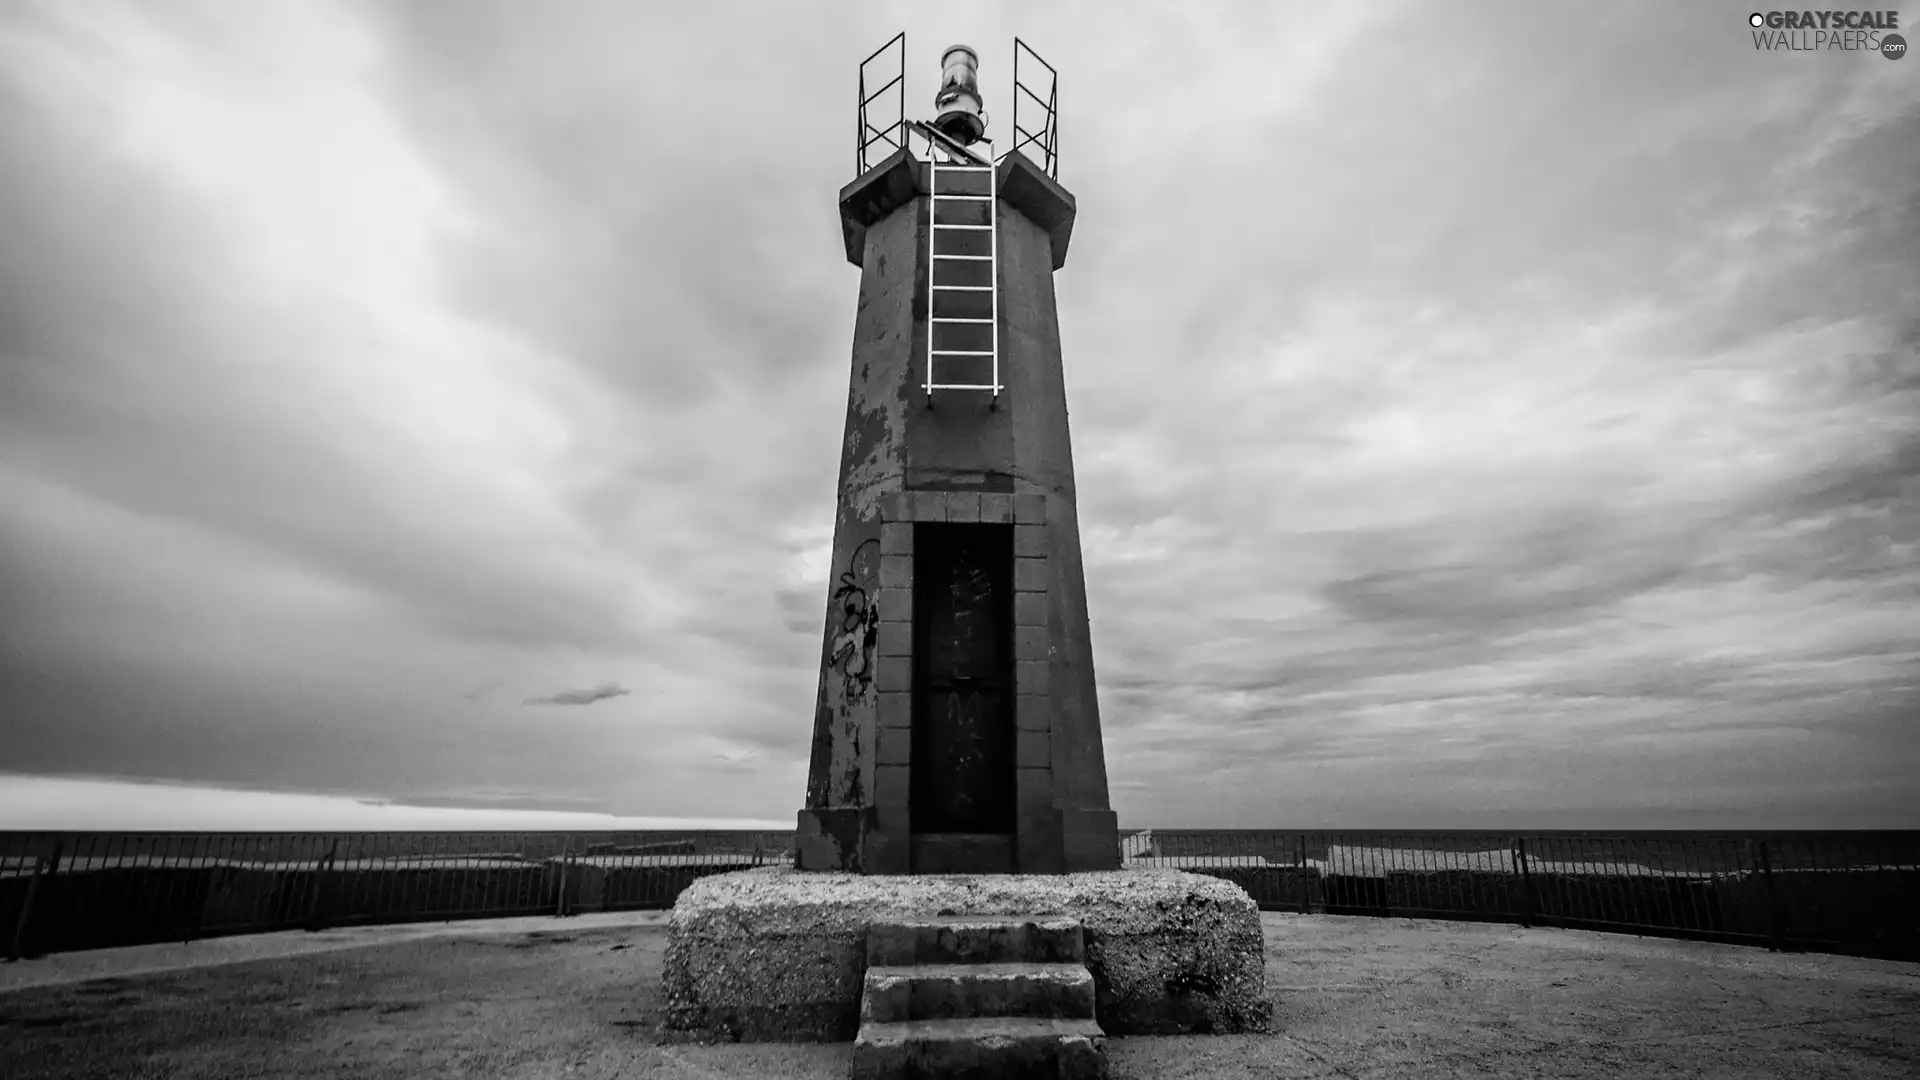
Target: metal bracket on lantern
x=937 y=139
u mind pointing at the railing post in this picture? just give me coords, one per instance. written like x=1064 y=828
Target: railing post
x=315 y=910
x=47 y=865
x=199 y=873
x=1773 y=900
x=1300 y=860
x=1528 y=911
x=566 y=871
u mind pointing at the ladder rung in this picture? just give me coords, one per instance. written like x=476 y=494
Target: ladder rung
x=964 y=288
x=969 y=258
x=963 y=386
x=964 y=198
x=942 y=318
x=961 y=352
x=982 y=228
x=945 y=167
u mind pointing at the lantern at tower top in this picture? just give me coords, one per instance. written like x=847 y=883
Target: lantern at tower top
x=958 y=111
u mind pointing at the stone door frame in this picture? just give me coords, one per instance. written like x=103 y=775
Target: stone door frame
x=1032 y=661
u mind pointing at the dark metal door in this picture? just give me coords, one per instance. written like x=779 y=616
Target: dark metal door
x=962 y=778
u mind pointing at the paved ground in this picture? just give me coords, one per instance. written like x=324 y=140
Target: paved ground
x=60 y=969
x=1357 y=998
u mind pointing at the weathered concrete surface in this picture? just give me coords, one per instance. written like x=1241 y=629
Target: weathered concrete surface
x=1061 y=991
x=984 y=1048
x=998 y=997
x=839 y=813
x=900 y=178
x=1041 y=200
x=1358 y=998
x=971 y=939
x=777 y=954
x=1043 y=452
x=874 y=195
x=970 y=444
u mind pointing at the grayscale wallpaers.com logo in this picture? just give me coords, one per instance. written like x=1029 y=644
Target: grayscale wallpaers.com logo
x=1810 y=31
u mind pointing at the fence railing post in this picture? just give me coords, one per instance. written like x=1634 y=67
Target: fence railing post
x=1773 y=900
x=198 y=874
x=1300 y=860
x=316 y=911
x=1528 y=911
x=566 y=872
x=48 y=864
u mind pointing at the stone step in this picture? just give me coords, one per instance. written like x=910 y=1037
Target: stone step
x=961 y=991
x=998 y=1048
x=975 y=939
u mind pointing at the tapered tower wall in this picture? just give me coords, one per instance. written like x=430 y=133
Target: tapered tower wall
x=972 y=457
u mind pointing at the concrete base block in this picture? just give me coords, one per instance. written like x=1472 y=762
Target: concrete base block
x=775 y=954
x=762 y=987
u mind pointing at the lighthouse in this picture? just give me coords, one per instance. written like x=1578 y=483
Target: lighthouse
x=956 y=728
x=940 y=912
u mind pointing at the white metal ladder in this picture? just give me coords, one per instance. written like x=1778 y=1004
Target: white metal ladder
x=936 y=291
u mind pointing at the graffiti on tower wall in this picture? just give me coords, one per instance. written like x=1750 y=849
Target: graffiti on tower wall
x=848 y=702
x=854 y=608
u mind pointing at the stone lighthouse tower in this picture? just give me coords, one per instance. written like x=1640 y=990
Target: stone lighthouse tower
x=956 y=728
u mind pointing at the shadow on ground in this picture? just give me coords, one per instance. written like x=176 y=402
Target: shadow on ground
x=1355 y=998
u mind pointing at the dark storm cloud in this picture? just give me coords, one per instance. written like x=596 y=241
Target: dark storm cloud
x=144 y=385
x=1557 y=569
x=1577 y=584
x=581 y=697
x=649 y=230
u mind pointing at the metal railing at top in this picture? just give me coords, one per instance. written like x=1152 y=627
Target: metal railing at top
x=1045 y=140
x=891 y=136
x=881 y=128
x=1854 y=892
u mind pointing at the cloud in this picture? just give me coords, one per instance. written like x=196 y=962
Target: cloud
x=581 y=697
x=1463 y=427
x=482 y=691
x=109 y=803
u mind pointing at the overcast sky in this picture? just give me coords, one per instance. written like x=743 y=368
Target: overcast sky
x=1486 y=415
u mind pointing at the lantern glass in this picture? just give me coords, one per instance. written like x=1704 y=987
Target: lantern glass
x=959 y=69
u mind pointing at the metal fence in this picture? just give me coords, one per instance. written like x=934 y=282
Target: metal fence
x=91 y=890
x=1846 y=892
x=1855 y=892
